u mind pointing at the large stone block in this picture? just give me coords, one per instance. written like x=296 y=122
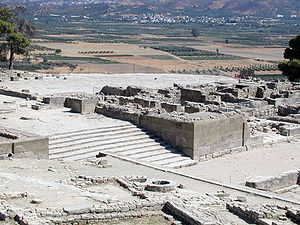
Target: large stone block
x=55 y=101
x=37 y=147
x=83 y=106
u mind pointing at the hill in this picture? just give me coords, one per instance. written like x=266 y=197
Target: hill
x=265 y=8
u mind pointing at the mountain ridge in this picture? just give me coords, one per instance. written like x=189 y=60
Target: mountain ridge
x=264 y=8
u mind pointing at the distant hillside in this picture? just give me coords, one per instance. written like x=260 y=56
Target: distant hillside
x=263 y=8
x=248 y=7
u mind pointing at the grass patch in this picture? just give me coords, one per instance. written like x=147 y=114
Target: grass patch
x=68 y=58
x=160 y=57
x=27 y=66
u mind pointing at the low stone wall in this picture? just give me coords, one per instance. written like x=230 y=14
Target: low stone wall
x=119 y=91
x=292 y=99
x=183 y=214
x=116 y=113
x=192 y=95
x=25 y=146
x=262 y=215
x=285 y=180
x=5 y=91
x=35 y=147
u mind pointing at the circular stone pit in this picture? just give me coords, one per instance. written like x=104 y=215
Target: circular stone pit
x=160 y=185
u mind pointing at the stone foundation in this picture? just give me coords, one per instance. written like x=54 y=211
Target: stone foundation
x=285 y=180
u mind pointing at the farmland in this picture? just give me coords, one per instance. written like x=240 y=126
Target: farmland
x=108 y=46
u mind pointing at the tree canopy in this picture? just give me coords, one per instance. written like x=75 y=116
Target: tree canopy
x=195 y=32
x=16 y=32
x=291 y=69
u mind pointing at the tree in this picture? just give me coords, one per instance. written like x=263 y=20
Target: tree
x=195 y=32
x=16 y=32
x=18 y=44
x=57 y=51
x=291 y=69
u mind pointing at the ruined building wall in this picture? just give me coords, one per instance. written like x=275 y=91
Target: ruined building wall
x=213 y=137
x=196 y=139
x=177 y=133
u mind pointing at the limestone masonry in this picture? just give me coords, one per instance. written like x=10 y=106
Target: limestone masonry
x=133 y=154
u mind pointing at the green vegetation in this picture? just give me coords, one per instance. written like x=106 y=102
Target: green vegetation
x=195 y=32
x=14 y=30
x=55 y=57
x=188 y=53
x=265 y=67
x=95 y=52
x=291 y=69
x=249 y=33
x=160 y=57
x=270 y=76
x=28 y=66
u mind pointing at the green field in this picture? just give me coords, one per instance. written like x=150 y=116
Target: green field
x=159 y=57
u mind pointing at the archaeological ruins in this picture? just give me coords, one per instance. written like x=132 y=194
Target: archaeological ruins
x=132 y=151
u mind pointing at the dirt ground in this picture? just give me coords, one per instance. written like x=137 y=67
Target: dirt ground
x=240 y=167
x=94 y=82
x=253 y=53
x=139 y=64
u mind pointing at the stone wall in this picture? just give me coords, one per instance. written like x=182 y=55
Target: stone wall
x=55 y=101
x=177 y=133
x=25 y=145
x=36 y=147
x=217 y=135
x=18 y=94
x=197 y=139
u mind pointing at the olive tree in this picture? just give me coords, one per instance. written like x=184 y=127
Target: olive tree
x=291 y=69
x=16 y=32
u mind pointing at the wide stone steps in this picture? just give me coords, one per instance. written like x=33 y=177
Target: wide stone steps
x=109 y=142
x=94 y=133
x=105 y=138
x=125 y=141
x=101 y=147
x=141 y=150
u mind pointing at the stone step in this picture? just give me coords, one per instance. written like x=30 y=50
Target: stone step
x=75 y=133
x=115 y=139
x=83 y=154
x=108 y=146
x=143 y=150
x=96 y=133
x=75 y=157
x=160 y=157
x=170 y=160
x=128 y=141
x=183 y=163
x=97 y=138
x=154 y=153
x=138 y=148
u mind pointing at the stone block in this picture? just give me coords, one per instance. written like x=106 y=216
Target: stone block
x=5 y=148
x=83 y=106
x=37 y=147
x=14 y=78
x=55 y=101
x=76 y=209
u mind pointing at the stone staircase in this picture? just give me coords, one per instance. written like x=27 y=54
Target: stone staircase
x=126 y=141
